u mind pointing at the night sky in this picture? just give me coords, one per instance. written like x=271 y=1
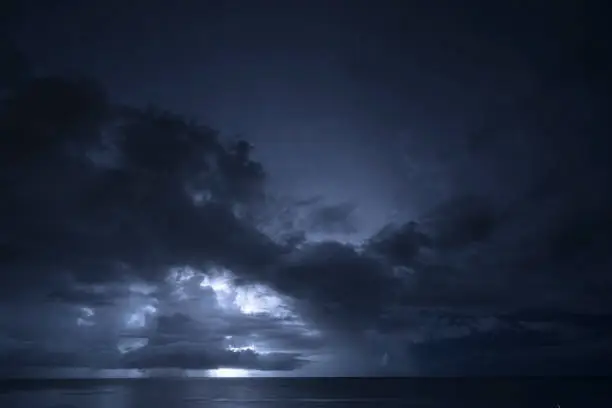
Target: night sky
x=305 y=188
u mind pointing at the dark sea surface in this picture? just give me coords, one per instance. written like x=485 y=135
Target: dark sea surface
x=307 y=393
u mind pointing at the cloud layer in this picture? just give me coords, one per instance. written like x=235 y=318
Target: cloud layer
x=134 y=239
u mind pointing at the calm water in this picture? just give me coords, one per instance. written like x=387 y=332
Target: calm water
x=307 y=393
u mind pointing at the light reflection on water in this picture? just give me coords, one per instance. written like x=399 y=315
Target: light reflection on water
x=305 y=393
x=224 y=393
x=138 y=394
x=116 y=397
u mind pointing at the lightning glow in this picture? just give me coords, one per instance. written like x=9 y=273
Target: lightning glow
x=86 y=317
x=131 y=344
x=250 y=347
x=249 y=299
x=229 y=373
x=138 y=318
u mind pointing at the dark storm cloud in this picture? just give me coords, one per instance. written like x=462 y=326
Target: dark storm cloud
x=335 y=282
x=192 y=356
x=462 y=221
x=65 y=213
x=468 y=254
x=177 y=355
x=182 y=341
x=38 y=358
x=180 y=327
x=101 y=202
x=479 y=256
x=168 y=341
x=222 y=329
x=551 y=347
x=137 y=216
x=81 y=297
x=70 y=291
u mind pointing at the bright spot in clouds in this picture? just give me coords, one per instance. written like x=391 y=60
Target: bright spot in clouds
x=86 y=317
x=131 y=344
x=88 y=311
x=250 y=347
x=138 y=319
x=229 y=373
x=247 y=299
x=256 y=299
x=185 y=283
x=142 y=288
x=180 y=275
x=219 y=282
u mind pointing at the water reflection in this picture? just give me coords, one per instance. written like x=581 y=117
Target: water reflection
x=137 y=394
x=227 y=393
x=97 y=397
x=304 y=393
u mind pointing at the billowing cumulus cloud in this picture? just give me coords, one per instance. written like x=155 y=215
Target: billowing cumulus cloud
x=135 y=239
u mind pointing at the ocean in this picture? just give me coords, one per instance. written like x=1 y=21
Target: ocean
x=308 y=393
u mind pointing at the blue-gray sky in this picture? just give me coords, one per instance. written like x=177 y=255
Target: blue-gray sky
x=482 y=122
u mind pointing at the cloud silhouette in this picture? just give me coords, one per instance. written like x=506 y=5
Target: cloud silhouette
x=152 y=240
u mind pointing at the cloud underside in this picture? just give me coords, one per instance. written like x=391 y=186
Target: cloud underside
x=177 y=356
x=123 y=197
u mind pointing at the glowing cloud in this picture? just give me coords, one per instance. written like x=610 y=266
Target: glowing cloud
x=229 y=373
x=247 y=299
x=131 y=344
x=180 y=275
x=258 y=299
x=138 y=319
x=87 y=314
x=250 y=347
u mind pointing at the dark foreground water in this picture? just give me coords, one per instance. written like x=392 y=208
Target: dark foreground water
x=307 y=393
